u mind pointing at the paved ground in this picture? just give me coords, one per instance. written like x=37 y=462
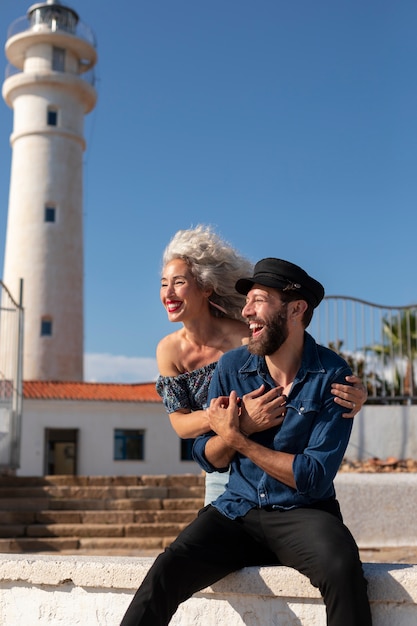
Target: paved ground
x=390 y=555
x=371 y=555
x=389 y=465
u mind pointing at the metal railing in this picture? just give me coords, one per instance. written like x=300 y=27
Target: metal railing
x=11 y=379
x=81 y=30
x=379 y=343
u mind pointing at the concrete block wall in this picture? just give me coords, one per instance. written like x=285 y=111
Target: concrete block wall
x=379 y=509
x=95 y=591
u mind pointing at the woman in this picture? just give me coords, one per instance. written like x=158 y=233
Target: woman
x=199 y=274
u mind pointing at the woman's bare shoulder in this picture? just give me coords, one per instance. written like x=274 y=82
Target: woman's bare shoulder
x=167 y=352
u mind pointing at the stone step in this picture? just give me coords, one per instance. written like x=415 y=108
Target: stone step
x=102 y=545
x=101 y=492
x=92 y=530
x=23 y=504
x=155 y=480
x=72 y=513
x=17 y=517
x=105 y=545
x=118 y=504
x=124 y=505
x=52 y=544
x=95 y=517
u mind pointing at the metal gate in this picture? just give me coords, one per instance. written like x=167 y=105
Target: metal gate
x=11 y=379
x=379 y=343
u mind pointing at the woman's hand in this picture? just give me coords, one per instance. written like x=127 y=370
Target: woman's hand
x=352 y=397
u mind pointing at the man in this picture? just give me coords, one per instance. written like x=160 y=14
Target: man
x=279 y=505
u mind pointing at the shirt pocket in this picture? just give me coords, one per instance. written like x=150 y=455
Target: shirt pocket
x=296 y=429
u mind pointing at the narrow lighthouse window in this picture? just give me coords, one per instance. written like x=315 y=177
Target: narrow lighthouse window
x=58 y=59
x=49 y=214
x=52 y=117
x=46 y=327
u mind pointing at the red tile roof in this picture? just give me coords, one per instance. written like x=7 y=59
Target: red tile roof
x=59 y=390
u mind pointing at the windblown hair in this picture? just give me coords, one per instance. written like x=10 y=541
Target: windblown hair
x=215 y=265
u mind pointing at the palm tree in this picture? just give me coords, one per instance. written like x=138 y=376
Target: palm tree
x=400 y=343
x=371 y=380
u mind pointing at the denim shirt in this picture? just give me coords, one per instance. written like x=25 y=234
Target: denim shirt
x=313 y=430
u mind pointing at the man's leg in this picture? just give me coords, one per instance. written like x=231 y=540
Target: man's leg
x=320 y=546
x=211 y=547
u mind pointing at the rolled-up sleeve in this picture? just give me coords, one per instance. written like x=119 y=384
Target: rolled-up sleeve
x=316 y=467
x=199 y=455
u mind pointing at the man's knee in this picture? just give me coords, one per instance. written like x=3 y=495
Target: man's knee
x=340 y=565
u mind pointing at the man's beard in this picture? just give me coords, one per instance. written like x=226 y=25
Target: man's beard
x=274 y=334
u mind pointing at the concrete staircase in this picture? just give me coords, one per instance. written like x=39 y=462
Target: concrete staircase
x=96 y=514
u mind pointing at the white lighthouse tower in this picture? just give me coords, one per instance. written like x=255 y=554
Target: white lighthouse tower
x=50 y=89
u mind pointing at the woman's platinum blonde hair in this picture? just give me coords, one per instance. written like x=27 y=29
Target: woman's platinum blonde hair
x=215 y=265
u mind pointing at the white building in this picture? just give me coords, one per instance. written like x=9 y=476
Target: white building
x=102 y=429
x=98 y=429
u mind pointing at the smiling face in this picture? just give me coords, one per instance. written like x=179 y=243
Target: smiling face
x=267 y=318
x=179 y=291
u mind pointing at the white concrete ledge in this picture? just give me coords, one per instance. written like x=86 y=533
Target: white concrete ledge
x=95 y=591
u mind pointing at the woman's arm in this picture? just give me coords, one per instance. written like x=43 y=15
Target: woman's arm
x=189 y=424
x=260 y=410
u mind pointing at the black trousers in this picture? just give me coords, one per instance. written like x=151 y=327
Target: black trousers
x=312 y=541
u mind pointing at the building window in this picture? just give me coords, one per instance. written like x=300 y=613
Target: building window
x=49 y=214
x=46 y=327
x=58 y=59
x=52 y=117
x=186 y=449
x=129 y=445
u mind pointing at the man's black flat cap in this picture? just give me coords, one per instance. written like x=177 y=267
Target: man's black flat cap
x=284 y=276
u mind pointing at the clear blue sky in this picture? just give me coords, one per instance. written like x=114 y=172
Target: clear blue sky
x=290 y=126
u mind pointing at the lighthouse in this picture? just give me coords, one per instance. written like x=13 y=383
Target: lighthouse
x=50 y=87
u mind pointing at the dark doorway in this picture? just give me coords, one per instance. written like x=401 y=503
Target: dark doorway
x=61 y=451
